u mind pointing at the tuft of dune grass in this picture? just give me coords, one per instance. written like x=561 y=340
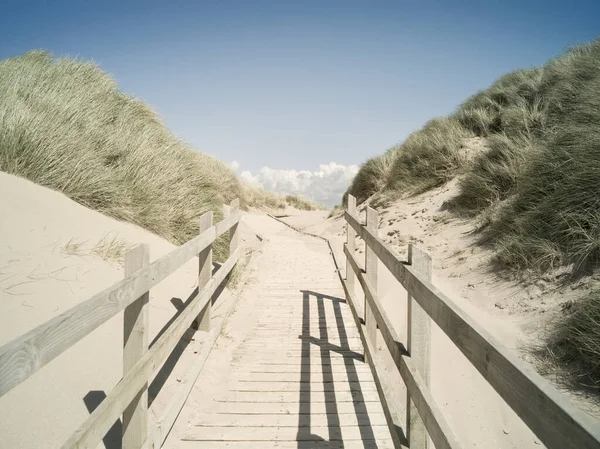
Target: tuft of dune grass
x=65 y=125
x=301 y=203
x=429 y=157
x=572 y=345
x=372 y=176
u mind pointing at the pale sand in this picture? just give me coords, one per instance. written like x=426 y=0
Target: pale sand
x=39 y=279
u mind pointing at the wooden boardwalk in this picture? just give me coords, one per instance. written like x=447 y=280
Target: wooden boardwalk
x=288 y=369
x=299 y=379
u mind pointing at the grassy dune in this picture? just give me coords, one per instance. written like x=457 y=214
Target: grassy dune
x=535 y=189
x=65 y=125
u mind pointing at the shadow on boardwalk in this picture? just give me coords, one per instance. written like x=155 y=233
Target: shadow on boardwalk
x=305 y=438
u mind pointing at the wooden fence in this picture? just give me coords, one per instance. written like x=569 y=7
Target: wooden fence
x=25 y=355
x=548 y=413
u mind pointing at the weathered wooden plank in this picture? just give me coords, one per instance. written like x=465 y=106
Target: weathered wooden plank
x=562 y=425
x=227 y=223
x=135 y=345
x=330 y=433
x=383 y=444
x=325 y=375
x=303 y=396
x=274 y=408
x=234 y=235
x=334 y=385
x=23 y=356
x=98 y=423
x=371 y=263
x=298 y=369
x=350 y=242
x=205 y=267
x=292 y=420
x=418 y=344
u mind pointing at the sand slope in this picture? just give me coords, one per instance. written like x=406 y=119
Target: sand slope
x=54 y=254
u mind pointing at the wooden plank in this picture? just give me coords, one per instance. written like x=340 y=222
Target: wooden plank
x=303 y=396
x=350 y=242
x=25 y=355
x=330 y=433
x=95 y=427
x=562 y=425
x=384 y=444
x=225 y=225
x=286 y=408
x=418 y=345
x=135 y=345
x=371 y=272
x=205 y=267
x=334 y=385
x=298 y=369
x=292 y=420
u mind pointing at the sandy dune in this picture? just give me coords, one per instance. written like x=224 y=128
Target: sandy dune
x=55 y=253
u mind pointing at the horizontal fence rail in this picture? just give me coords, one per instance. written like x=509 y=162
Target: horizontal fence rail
x=25 y=355
x=547 y=412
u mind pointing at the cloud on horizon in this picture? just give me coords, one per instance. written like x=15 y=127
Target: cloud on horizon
x=324 y=186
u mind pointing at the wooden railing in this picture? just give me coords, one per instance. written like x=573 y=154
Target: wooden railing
x=548 y=413
x=25 y=355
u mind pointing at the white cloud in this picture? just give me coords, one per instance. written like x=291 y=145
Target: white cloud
x=235 y=165
x=325 y=185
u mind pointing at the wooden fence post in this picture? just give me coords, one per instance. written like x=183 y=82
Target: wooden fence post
x=135 y=345
x=202 y=323
x=418 y=346
x=234 y=235
x=371 y=271
x=350 y=243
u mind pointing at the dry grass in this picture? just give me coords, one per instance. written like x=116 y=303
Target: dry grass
x=65 y=125
x=535 y=191
x=301 y=203
x=110 y=248
x=261 y=199
x=373 y=176
x=572 y=344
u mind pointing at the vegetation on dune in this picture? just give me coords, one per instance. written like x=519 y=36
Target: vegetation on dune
x=538 y=173
x=65 y=125
x=259 y=198
x=534 y=188
x=301 y=203
x=373 y=176
x=573 y=343
x=429 y=157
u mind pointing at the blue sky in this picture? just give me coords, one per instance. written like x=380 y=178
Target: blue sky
x=294 y=84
